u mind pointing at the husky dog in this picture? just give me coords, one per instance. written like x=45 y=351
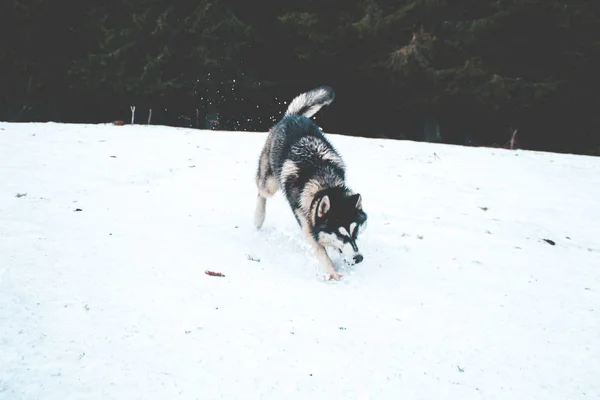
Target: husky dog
x=298 y=159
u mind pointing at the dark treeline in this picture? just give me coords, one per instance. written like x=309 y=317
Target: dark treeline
x=456 y=71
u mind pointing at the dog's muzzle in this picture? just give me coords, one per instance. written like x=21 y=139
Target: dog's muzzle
x=354 y=258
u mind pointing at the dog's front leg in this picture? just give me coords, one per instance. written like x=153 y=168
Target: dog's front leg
x=322 y=256
x=326 y=262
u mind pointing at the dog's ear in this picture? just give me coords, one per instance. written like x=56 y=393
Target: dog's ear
x=357 y=200
x=324 y=206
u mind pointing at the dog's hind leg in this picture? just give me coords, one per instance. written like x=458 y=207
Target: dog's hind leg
x=260 y=211
x=267 y=186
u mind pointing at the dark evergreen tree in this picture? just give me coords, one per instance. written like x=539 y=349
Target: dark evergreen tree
x=459 y=71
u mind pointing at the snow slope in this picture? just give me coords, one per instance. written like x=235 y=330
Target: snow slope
x=459 y=296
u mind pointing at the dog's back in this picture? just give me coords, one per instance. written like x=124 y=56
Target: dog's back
x=285 y=140
x=301 y=157
x=298 y=139
x=304 y=160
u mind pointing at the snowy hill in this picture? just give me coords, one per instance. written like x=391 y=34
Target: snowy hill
x=481 y=277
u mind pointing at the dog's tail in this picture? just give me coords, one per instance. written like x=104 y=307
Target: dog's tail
x=309 y=103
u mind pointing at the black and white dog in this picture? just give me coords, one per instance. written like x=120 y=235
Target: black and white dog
x=299 y=159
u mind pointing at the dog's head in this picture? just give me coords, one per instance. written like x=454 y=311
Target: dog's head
x=339 y=220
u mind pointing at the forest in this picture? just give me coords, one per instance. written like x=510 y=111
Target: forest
x=504 y=73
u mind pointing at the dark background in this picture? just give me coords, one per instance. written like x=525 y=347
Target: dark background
x=457 y=71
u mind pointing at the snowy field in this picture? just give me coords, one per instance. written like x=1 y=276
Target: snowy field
x=106 y=233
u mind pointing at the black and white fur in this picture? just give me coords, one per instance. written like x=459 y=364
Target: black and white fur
x=298 y=159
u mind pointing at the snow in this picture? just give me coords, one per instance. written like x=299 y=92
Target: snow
x=459 y=296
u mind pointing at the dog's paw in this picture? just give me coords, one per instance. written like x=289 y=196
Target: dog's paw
x=336 y=276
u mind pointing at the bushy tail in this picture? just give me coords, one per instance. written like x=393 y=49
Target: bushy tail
x=309 y=103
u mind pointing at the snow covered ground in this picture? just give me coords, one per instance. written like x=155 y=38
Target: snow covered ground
x=106 y=233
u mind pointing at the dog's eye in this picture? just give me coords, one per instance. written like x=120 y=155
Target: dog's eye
x=343 y=235
x=343 y=238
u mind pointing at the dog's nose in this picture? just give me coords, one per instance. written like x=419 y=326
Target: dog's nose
x=358 y=258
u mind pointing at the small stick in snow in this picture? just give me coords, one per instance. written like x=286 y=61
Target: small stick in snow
x=512 y=142
x=212 y=273
x=149 y=116
x=512 y=138
x=132 y=114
